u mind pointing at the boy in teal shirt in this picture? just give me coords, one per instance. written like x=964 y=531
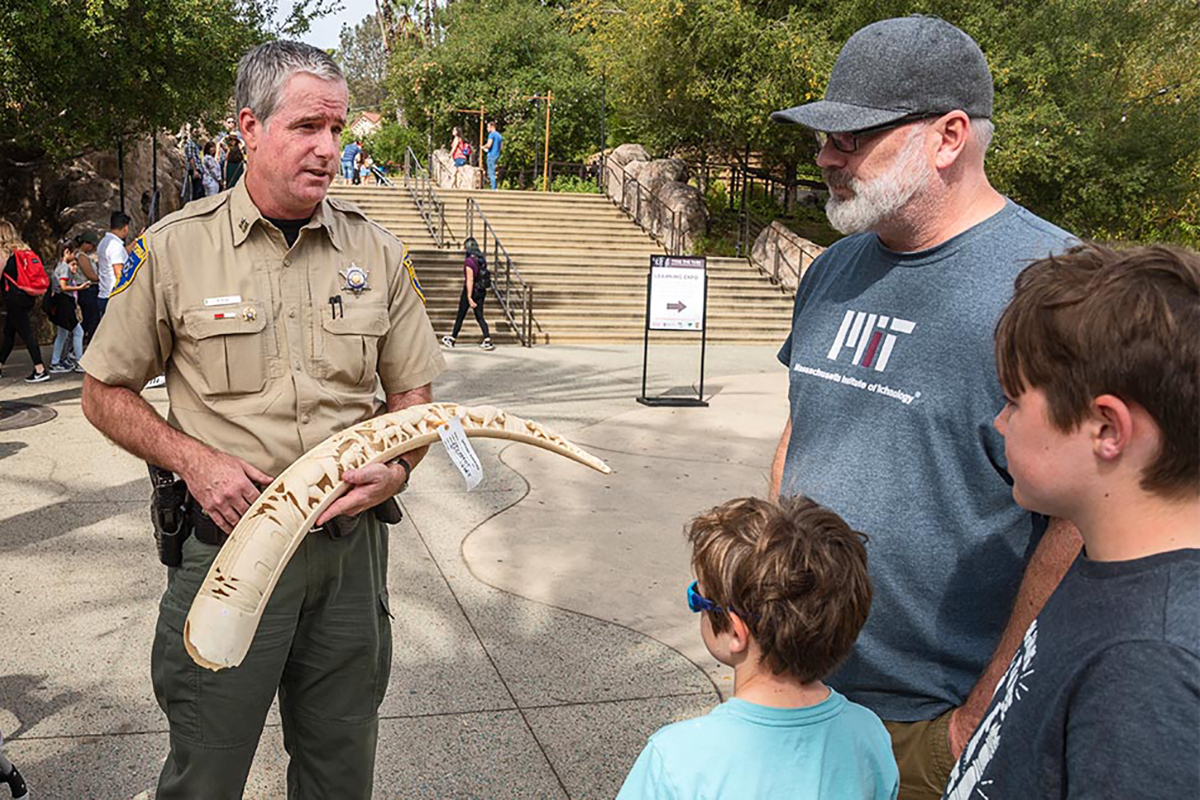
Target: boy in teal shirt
x=783 y=591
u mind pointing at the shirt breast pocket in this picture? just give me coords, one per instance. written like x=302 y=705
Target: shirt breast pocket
x=231 y=352
x=348 y=344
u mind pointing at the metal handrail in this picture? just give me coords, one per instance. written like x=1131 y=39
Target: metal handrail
x=513 y=293
x=431 y=207
x=672 y=237
x=777 y=256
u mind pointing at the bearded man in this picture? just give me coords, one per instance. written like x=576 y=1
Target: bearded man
x=893 y=388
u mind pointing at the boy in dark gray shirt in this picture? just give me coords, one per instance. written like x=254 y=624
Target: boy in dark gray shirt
x=1098 y=356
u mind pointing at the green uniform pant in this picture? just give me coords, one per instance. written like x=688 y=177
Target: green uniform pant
x=325 y=643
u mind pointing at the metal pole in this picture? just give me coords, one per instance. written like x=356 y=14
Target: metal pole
x=602 y=180
x=121 y=170
x=535 y=143
x=646 y=333
x=154 y=210
x=704 y=331
x=546 y=160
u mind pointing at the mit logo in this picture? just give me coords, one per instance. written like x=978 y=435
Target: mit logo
x=867 y=335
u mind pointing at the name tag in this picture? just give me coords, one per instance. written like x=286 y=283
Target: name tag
x=232 y=299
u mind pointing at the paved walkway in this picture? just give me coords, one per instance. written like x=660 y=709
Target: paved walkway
x=540 y=630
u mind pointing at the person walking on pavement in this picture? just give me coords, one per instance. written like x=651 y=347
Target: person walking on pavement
x=11 y=776
x=492 y=148
x=350 y=159
x=111 y=259
x=17 y=305
x=249 y=394
x=89 y=298
x=66 y=285
x=903 y=310
x=475 y=285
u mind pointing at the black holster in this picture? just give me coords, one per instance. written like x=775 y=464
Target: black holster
x=169 y=515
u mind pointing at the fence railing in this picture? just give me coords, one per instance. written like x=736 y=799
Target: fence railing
x=419 y=183
x=639 y=202
x=775 y=262
x=511 y=290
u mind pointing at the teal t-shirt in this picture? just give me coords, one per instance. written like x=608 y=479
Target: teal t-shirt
x=495 y=142
x=835 y=750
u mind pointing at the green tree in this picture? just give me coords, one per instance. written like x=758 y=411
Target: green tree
x=364 y=60
x=497 y=53
x=77 y=74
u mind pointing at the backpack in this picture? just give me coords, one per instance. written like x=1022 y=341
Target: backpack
x=466 y=150
x=485 y=277
x=31 y=275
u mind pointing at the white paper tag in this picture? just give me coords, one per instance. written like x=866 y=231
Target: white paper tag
x=232 y=299
x=459 y=448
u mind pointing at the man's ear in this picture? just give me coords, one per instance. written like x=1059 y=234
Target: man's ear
x=954 y=130
x=1112 y=427
x=250 y=127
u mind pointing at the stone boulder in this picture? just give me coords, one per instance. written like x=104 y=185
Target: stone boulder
x=783 y=255
x=664 y=198
x=448 y=176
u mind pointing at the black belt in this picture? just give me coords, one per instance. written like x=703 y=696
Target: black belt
x=208 y=532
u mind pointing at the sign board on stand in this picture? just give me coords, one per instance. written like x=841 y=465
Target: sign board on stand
x=676 y=301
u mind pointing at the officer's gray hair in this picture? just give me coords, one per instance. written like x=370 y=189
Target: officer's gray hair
x=264 y=72
x=982 y=129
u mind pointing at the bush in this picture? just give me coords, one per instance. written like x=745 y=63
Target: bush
x=387 y=145
x=574 y=184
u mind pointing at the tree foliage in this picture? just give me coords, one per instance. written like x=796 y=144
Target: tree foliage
x=362 y=57
x=497 y=53
x=1097 y=101
x=77 y=74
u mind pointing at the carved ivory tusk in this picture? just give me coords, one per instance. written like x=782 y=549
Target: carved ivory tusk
x=225 y=614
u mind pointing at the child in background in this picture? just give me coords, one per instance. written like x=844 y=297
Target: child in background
x=783 y=592
x=67 y=283
x=1099 y=355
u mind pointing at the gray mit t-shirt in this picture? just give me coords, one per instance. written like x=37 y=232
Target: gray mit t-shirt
x=893 y=393
x=1102 y=699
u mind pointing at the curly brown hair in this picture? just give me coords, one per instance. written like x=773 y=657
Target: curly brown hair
x=793 y=571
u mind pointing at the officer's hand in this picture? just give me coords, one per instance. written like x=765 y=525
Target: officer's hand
x=369 y=487
x=223 y=485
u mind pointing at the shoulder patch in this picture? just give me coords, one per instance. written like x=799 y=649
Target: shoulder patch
x=412 y=276
x=133 y=263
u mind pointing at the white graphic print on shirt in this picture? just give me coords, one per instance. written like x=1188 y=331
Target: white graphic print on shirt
x=965 y=778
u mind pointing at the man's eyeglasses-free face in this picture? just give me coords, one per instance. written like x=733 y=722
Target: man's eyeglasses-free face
x=697 y=602
x=849 y=142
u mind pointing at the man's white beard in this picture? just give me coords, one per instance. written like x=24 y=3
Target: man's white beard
x=878 y=199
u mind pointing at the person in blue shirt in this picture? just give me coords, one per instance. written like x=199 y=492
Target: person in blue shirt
x=492 y=147
x=349 y=157
x=783 y=591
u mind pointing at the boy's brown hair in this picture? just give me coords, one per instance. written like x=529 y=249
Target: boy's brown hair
x=1097 y=321
x=793 y=571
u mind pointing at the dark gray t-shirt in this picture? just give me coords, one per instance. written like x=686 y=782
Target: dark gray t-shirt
x=1102 y=699
x=893 y=393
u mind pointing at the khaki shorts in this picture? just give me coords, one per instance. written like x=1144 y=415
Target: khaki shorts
x=922 y=751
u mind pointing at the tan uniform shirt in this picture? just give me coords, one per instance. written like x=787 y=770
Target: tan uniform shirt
x=267 y=350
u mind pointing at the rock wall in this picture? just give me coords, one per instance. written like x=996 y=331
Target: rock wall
x=664 y=200
x=49 y=202
x=447 y=176
x=795 y=254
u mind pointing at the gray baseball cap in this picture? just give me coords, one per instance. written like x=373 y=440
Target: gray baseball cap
x=898 y=68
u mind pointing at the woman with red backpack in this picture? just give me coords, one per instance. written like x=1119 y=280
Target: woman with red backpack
x=23 y=281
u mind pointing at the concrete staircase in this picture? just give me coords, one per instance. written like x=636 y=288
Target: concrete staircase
x=586 y=261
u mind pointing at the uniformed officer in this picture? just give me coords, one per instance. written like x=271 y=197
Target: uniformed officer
x=272 y=310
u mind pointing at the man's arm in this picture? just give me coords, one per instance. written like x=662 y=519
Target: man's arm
x=780 y=458
x=221 y=483
x=1051 y=559
x=374 y=483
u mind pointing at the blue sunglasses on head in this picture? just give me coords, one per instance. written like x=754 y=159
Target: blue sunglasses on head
x=698 y=602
